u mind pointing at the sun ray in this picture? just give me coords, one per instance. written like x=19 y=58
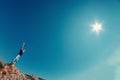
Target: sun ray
x=97 y=27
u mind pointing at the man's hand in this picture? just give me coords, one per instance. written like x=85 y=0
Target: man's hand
x=23 y=50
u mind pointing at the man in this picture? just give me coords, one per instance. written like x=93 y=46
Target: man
x=22 y=50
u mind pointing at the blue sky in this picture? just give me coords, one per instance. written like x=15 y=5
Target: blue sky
x=59 y=42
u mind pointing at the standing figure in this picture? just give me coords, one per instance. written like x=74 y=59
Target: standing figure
x=22 y=50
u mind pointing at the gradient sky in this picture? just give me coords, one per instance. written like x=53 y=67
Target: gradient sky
x=59 y=42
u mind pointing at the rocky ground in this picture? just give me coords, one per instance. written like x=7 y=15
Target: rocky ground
x=10 y=72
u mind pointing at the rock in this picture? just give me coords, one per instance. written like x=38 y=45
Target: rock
x=10 y=72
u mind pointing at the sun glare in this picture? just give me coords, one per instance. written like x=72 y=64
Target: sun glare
x=97 y=27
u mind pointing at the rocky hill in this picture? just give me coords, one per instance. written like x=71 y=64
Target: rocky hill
x=10 y=72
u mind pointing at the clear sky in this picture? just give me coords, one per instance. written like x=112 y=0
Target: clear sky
x=60 y=43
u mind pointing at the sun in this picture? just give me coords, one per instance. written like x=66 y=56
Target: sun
x=97 y=27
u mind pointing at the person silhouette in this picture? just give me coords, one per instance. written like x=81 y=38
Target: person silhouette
x=22 y=50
